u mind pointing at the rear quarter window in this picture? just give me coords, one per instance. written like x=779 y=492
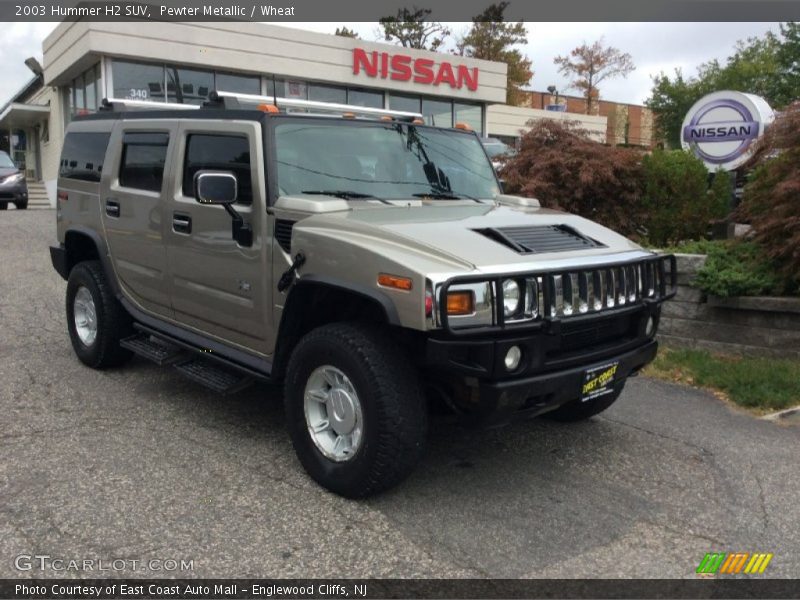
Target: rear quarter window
x=143 y=158
x=83 y=155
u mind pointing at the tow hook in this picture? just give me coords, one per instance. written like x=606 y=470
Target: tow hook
x=287 y=279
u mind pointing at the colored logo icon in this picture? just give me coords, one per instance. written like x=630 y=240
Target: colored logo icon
x=735 y=563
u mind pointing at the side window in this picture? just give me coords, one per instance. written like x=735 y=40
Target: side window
x=143 y=159
x=206 y=152
x=82 y=156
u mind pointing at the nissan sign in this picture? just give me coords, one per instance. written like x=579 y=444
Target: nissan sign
x=402 y=67
x=721 y=127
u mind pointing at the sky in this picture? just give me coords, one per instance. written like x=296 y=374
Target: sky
x=654 y=47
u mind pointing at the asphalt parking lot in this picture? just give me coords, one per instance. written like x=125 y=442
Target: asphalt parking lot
x=142 y=464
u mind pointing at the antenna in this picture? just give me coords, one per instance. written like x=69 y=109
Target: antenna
x=274 y=91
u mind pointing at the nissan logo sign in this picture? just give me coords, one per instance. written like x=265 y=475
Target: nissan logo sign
x=721 y=127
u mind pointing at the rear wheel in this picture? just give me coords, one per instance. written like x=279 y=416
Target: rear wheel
x=576 y=410
x=95 y=319
x=355 y=409
x=21 y=205
x=3 y=205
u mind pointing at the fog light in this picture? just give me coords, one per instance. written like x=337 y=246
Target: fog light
x=650 y=328
x=513 y=356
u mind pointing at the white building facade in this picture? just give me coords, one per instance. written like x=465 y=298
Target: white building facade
x=85 y=62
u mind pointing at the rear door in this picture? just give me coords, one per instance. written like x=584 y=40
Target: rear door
x=132 y=208
x=219 y=286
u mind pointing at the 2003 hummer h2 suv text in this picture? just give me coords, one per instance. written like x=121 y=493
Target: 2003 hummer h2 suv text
x=364 y=260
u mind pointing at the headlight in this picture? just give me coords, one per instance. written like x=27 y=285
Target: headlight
x=16 y=177
x=511 y=297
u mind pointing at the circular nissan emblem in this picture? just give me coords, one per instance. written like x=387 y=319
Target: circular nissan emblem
x=721 y=127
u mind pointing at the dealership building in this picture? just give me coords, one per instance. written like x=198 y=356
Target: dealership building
x=84 y=62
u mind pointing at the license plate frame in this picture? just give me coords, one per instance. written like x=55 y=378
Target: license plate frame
x=599 y=380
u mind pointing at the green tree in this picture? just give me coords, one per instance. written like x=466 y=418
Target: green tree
x=493 y=38
x=411 y=29
x=345 y=32
x=589 y=65
x=787 y=87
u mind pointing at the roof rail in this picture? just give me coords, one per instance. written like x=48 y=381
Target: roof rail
x=123 y=105
x=233 y=100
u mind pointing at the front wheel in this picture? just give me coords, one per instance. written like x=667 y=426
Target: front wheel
x=21 y=205
x=3 y=205
x=355 y=409
x=576 y=410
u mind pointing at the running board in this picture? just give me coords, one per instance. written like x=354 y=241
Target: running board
x=152 y=348
x=213 y=375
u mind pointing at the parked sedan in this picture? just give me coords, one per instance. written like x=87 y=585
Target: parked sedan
x=13 y=187
x=498 y=152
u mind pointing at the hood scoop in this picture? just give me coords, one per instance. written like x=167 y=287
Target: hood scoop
x=539 y=239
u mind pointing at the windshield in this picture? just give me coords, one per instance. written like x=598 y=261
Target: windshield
x=6 y=162
x=388 y=161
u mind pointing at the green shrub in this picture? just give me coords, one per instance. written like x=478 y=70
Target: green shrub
x=739 y=268
x=677 y=200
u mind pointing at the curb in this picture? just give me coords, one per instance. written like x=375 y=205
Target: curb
x=784 y=414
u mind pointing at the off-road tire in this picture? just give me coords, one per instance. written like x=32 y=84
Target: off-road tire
x=113 y=322
x=395 y=418
x=576 y=410
x=22 y=205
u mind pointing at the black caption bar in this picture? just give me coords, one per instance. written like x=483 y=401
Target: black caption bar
x=140 y=589
x=358 y=10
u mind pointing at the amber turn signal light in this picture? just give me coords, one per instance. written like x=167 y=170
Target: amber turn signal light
x=395 y=281
x=460 y=303
x=267 y=108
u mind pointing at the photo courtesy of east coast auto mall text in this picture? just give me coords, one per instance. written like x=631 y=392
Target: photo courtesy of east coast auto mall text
x=340 y=300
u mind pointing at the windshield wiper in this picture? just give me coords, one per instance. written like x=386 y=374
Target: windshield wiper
x=444 y=195
x=346 y=195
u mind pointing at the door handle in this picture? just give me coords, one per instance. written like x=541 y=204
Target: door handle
x=181 y=223
x=112 y=208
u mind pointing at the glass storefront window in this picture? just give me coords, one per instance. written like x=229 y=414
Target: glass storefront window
x=188 y=86
x=242 y=84
x=134 y=81
x=365 y=98
x=471 y=114
x=404 y=103
x=327 y=93
x=78 y=86
x=437 y=112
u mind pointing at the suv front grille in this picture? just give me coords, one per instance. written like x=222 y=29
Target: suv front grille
x=538 y=239
x=585 y=335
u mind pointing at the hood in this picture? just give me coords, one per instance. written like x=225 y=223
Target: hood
x=481 y=237
x=6 y=171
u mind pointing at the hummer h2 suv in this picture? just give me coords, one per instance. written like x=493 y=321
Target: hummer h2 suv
x=368 y=262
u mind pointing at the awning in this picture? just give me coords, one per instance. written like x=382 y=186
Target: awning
x=20 y=116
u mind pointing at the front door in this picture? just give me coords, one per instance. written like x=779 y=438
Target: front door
x=132 y=208
x=219 y=286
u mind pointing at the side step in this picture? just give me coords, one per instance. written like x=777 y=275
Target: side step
x=152 y=348
x=212 y=375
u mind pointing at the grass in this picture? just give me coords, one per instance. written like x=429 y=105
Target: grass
x=755 y=383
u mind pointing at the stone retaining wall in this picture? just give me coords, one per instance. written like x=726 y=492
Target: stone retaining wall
x=756 y=326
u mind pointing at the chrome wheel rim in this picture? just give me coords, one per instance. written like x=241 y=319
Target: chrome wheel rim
x=333 y=413
x=85 y=316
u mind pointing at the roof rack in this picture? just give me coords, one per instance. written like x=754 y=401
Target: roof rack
x=122 y=105
x=232 y=100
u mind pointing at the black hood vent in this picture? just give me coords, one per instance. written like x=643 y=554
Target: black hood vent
x=539 y=239
x=283 y=234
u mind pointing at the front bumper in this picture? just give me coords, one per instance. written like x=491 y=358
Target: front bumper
x=14 y=192
x=555 y=358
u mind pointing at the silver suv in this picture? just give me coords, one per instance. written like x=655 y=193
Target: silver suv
x=368 y=262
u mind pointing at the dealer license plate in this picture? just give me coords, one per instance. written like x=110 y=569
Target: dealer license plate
x=599 y=381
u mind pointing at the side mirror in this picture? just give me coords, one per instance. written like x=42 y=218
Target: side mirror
x=215 y=187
